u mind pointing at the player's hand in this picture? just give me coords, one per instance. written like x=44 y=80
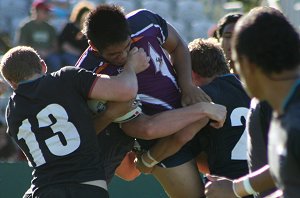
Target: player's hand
x=141 y=167
x=219 y=187
x=193 y=94
x=138 y=59
x=216 y=113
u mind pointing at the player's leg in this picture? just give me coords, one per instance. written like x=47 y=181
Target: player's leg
x=114 y=145
x=181 y=181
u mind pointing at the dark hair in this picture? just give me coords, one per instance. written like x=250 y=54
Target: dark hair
x=106 y=25
x=267 y=39
x=225 y=20
x=208 y=58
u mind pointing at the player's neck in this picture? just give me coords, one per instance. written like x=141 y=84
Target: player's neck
x=278 y=87
x=32 y=78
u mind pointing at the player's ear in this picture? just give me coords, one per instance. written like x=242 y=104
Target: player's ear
x=92 y=45
x=13 y=84
x=44 y=67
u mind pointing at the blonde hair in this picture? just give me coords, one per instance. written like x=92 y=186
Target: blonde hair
x=79 y=10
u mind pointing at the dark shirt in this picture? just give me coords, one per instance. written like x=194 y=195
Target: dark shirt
x=284 y=145
x=258 y=123
x=72 y=35
x=226 y=147
x=50 y=120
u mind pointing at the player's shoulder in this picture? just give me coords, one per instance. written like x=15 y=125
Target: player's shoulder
x=216 y=85
x=139 y=13
x=70 y=72
x=89 y=60
x=142 y=18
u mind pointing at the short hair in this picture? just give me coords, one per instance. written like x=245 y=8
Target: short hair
x=208 y=58
x=20 y=63
x=268 y=40
x=225 y=20
x=106 y=25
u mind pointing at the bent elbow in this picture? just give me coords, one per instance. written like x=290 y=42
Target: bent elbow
x=149 y=131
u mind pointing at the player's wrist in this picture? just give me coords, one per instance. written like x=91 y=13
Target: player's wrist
x=248 y=187
x=242 y=187
x=236 y=188
x=148 y=160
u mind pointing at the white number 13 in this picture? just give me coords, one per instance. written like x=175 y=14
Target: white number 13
x=54 y=144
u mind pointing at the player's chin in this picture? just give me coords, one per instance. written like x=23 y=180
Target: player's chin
x=120 y=62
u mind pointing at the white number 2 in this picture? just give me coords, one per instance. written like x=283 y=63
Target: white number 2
x=239 y=152
x=54 y=144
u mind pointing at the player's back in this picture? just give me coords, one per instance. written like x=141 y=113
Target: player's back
x=50 y=120
x=227 y=145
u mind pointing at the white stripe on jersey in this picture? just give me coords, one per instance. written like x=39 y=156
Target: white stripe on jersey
x=152 y=100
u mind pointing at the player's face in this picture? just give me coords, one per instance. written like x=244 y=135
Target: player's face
x=226 y=39
x=242 y=67
x=117 y=54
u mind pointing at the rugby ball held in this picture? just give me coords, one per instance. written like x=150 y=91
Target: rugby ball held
x=98 y=106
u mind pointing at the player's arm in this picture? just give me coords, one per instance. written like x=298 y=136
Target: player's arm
x=124 y=86
x=181 y=59
x=112 y=111
x=258 y=181
x=169 y=145
x=171 y=121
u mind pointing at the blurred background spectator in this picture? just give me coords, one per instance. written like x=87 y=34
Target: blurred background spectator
x=39 y=34
x=192 y=18
x=224 y=32
x=71 y=41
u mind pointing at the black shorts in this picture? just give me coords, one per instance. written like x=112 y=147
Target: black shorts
x=69 y=190
x=114 y=144
x=185 y=154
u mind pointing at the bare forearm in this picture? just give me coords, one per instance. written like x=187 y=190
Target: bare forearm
x=163 y=124
x=260 y=180
x=169 y=145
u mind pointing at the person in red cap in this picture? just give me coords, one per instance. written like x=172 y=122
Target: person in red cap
x=39 y=34
x=40 y=4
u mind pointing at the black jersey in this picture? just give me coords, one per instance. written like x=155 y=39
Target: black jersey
x=257 y=127
x=51 y=122
x=258 y=123
x=284 y=145
x=227 y=146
